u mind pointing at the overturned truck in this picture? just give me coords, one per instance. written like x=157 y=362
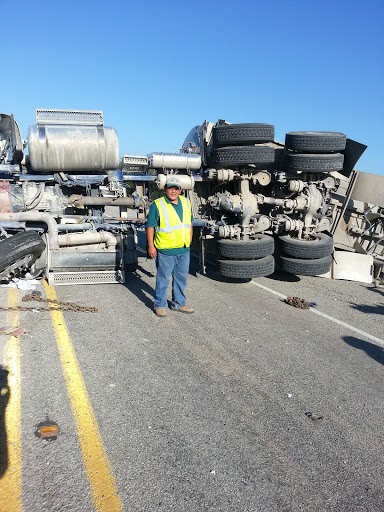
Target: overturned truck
x=69 y=208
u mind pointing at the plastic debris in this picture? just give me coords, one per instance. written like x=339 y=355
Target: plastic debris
x=289 y=395
x=314 y=417
x=48 y=430
x=26 y=284
x=12 y=331
x=312 y=304
x=21 y=284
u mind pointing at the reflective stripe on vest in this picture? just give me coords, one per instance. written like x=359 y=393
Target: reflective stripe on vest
x=172 y=233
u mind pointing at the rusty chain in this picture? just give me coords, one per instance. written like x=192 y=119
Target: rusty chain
x=55 y=305
x=297 y=302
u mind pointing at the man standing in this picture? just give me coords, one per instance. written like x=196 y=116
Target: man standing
x=169 y=236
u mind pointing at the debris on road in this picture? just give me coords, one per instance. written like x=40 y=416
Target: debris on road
x=54 y=305
x=314 y=417
x=47 y=430
x=5 y=329
x=64 y=306
x=12 y=331
x=296 y=302
x=21 y=284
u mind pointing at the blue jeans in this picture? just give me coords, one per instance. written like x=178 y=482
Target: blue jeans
x=178 y=266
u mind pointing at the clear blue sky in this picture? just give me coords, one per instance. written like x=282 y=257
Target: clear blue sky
x=157 y=68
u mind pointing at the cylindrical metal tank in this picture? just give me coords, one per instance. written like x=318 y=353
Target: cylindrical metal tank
x=175 y=161
x=72 y=148
x=187 y=182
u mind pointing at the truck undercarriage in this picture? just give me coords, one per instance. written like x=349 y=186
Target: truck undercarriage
x=69 y=208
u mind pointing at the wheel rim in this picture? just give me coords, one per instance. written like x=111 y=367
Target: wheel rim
x=19 y=265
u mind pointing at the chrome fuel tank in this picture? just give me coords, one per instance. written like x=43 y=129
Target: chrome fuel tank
x=69 y=141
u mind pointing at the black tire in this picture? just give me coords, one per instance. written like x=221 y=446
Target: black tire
x=256 y=247
x=130 y=253
x=242 y=134
x=245 y=269
x=301 y=267
x=307 y=249
x=314 y=163
x=26 y=246
x=315 y=142
x=244 y=155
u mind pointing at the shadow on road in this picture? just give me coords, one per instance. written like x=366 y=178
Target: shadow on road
x=284 y=277
x=216 y=276
x=364 y=308
x=379 y=291
x=135 y=284
x=377 y=353
x=4 y=399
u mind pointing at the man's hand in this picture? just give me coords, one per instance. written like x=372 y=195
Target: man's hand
x=151 y=249
x=152 y=253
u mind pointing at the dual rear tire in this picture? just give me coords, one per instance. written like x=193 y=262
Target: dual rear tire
x=244 y=259
x=306 y=257
x=243 y=144
x=315 y=152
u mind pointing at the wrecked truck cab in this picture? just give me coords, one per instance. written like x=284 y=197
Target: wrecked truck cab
x=64 y=206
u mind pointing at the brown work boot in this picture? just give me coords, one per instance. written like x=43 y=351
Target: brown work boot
x=185 y=309
x=160 y=312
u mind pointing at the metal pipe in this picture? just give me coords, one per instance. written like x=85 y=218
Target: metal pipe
x=80 y=201
x=272 y=201
x=151 y=177
x=88 y=239
x=33 y=216
x=108 y=201
x=12 y=225
x=85 y=226
x=136 y=177
x=366 y=233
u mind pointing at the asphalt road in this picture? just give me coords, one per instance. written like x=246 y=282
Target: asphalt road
x=249 y=404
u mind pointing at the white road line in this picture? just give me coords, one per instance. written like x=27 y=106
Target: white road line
x=339 y=322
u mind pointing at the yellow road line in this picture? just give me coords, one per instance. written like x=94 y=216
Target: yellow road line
x=10 y=482
x=102 y=482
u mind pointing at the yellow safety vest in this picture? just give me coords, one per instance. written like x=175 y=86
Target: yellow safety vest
x=171 y=233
